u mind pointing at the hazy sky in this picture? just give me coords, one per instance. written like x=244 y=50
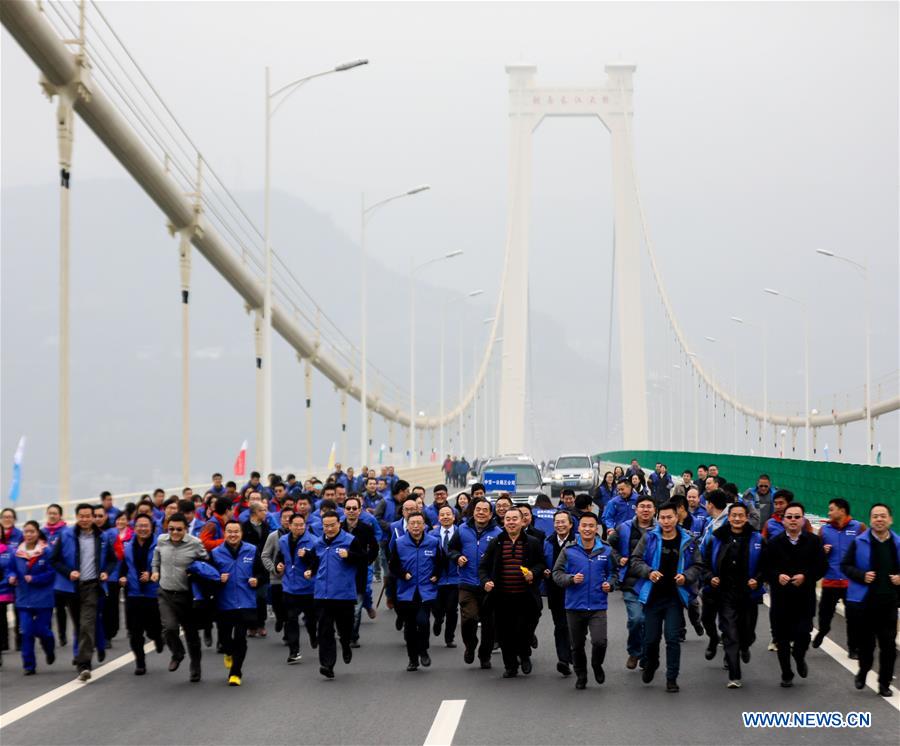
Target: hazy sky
x=763 y=131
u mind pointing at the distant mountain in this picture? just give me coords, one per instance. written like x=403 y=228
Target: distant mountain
x=126 y=345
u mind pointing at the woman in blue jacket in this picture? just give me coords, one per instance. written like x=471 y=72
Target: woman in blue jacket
x=32 y=576
x=235 y=560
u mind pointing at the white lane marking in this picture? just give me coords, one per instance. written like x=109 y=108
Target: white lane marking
x=842 y=657
x=445 y=723
x=17 y=713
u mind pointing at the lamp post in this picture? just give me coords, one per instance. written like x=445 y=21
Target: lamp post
x=771 y=291
x=264 y=449
x=742 y=321
x=471 y=294
x=864 y=270
x=364 y=215
x=413 y=268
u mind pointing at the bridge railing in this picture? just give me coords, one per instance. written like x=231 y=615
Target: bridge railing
x=813 y=483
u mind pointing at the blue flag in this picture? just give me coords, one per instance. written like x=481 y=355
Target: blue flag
x=17 y=471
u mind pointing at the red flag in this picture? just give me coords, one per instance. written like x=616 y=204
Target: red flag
x=240 y=463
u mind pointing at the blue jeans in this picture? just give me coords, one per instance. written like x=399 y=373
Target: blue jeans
x=656 y=614
x=34 y=623
x=635 y=610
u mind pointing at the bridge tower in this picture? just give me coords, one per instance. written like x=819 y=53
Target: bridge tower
x=528 y=105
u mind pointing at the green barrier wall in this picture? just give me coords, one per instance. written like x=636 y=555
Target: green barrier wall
x=813 y=482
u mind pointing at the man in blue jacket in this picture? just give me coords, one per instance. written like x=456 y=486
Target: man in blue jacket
x=837 y=536
x=588 y=572
x=236 y=600
x=872 y=564
x=141 y=604
x=83 y=559
x=446 y=605
x=415 y=563
x=333 y=563
x=624 y=540
x=620 y=508
x=291 y=562
x=667 y=561
x=467 y=548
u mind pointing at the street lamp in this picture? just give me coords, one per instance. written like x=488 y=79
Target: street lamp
x=413 y=268
x=265 y=448
x=454 y=297
x=739 y=320
x=802 y=305
x=870 y=446
x=364 y=215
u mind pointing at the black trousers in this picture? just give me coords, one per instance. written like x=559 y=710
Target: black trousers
x=415 y=615
x=737 y=621
x=233 y=625
x=278 y=602
x=561 y=636
x=295 y=605
x=791 y=626
x=176 y=609
x=142 y=618
x=261 y=613
x=472 y=609
x=827 y=605
x=111 y=611
x=445 y=609
x=514 y=615
x=89 y=598
x=331 y=614
x=708 y=614
x=579 y=622
x=875 y=621
x=66 y=602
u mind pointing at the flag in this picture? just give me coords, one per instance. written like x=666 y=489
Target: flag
x=826 y=452
x=332 y=457
x=17 y=471
x=381 y=454
x=877 y=456
x=240 y=463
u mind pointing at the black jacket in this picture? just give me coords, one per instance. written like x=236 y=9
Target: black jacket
x=807 y=556
x=554 y=592
x=490 y=568
x=259 y=541
x=365 y=535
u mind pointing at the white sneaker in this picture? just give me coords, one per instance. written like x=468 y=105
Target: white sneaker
x=294 y=658
x=734 y=684
x=773 y=648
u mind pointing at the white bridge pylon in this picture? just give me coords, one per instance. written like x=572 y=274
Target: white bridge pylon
x=528 y=105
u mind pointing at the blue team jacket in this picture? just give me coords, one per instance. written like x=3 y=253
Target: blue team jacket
x=236 y=593
x=421 y=561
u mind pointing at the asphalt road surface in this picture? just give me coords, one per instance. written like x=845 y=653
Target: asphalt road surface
x=375 y=701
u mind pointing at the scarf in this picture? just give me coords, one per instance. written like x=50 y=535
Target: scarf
x=31 y=555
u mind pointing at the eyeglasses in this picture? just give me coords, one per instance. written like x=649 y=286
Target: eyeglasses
x=350 y=507
x=175 y=528
x=793 y=517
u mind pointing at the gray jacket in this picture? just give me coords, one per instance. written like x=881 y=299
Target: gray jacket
x=269 y=551
x=171 y=560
